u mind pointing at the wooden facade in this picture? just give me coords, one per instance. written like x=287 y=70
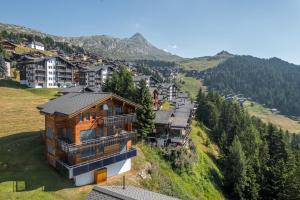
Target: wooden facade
x=68 y=129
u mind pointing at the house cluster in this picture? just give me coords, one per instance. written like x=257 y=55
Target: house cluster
x=89 y=134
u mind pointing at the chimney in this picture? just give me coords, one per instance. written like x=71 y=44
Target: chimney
x=124 y=182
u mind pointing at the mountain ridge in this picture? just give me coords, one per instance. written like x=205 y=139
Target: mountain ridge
x=132 y=48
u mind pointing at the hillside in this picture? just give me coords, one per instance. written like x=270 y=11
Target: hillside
x=23 y=161
x=206 y=62
x=133 y=48
x=272 y=82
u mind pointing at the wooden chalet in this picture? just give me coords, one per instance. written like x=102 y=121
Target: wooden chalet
x=89 y=136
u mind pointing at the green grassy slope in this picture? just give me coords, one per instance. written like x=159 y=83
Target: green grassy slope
x=206 y=62
x=22 y=159
x=200 y=64
x=190 y=85
x=202 y=183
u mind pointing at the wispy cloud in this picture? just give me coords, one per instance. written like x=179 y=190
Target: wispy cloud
x=166 y=50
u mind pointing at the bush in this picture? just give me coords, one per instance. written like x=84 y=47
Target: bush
x=181 y=158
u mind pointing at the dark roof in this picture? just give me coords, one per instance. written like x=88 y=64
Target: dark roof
x=182 y=95
x=28 y=59
x=129 y=193
x=167 y=85
x=162 y=117
x=74 y=102
x=80 y=88
x=97 y=68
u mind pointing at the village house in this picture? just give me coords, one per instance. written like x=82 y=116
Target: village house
x=173 y=126
x=36 y=45
x=89 y=136
x=95 y=75
x=46 y=72
x=150 y=80
x=154 y=93
x=169 y=90
x=8 y=46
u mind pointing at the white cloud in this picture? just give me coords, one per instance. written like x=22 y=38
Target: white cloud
x=166 y=50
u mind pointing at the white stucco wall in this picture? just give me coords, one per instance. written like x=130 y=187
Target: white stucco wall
x=112 y=170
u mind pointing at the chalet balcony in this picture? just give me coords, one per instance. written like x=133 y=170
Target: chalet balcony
x=93 y=143
x=74 y=170
x=119 y=119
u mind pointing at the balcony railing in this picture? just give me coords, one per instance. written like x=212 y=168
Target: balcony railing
x=103 y=141
x=119 y=119
x=74 y=170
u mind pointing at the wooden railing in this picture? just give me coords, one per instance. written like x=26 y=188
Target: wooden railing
x=93 y=143
x=119 y=119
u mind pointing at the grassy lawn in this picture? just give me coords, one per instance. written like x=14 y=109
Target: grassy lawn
x=22 y=159
x=23 y=49
x=191 y=85
x=202 y=183
x=267 y=116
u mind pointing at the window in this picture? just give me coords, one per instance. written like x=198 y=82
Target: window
x=49 y=133
x=69 y=135
x=87 y=153
x=61 y=132
x=119 y=110
x=110 y=111
x=104 y=107
x=101 y=132
x=50 y=149
x=110 y=131
x=87 y=135
x=94 y=116
x=81 y=117
x=87 y=116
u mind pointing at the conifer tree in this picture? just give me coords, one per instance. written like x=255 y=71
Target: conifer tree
x=121 y=83
x=235 y=169
x=145 y=115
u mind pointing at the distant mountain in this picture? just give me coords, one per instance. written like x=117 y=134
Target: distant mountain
x=135 y=47
x=272 y=82
x=205 y=62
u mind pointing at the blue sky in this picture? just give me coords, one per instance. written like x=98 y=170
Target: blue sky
x=189 y=28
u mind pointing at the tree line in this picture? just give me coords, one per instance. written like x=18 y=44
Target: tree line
x=258 y=160
x=272 y=82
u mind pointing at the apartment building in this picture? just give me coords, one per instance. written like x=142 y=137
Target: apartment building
x=95 y=75
x=47 y=72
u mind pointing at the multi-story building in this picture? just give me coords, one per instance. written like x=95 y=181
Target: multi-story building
x=89 y=136
x=47 y=72
x=95 y=75
x=150 y=80
x=169 y=90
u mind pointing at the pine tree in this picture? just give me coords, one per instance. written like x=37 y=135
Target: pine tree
x=235 y=169
x=121 y=83
x=145 y=115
